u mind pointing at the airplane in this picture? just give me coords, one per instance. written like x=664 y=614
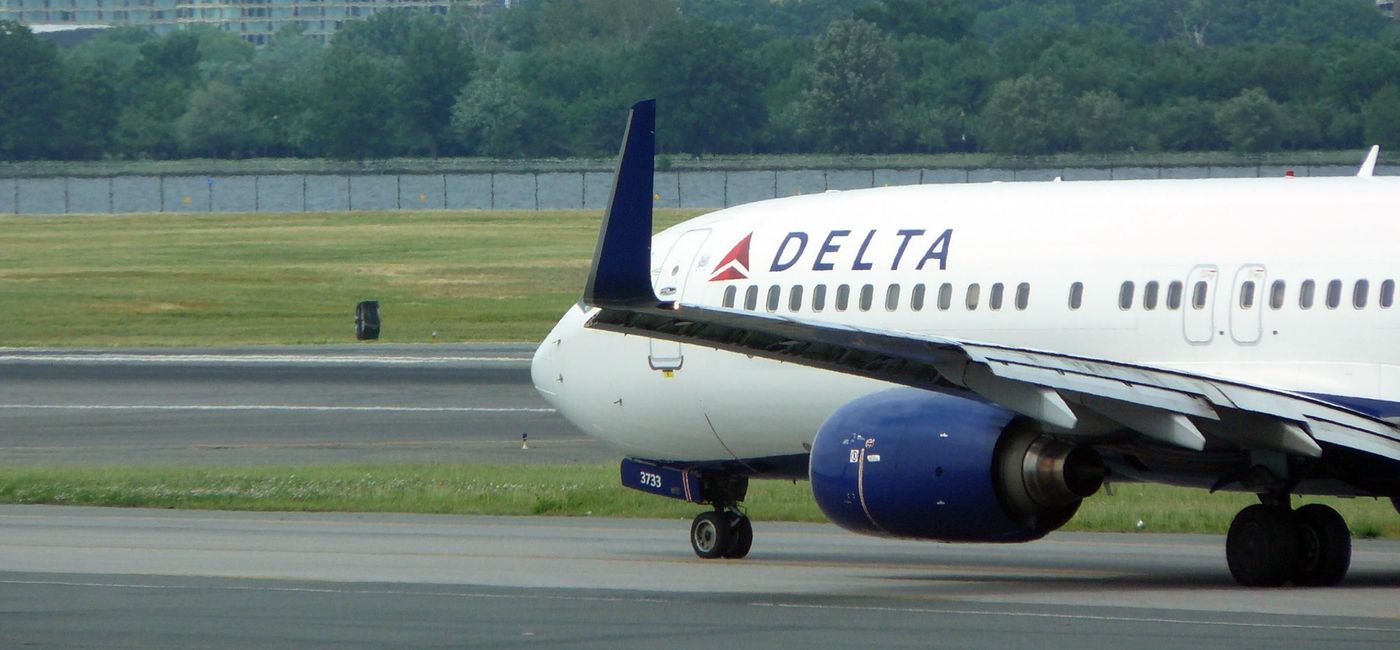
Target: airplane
x=967 y=363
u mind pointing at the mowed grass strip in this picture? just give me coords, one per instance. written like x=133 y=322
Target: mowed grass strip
x=221 y=279
x=566 y=490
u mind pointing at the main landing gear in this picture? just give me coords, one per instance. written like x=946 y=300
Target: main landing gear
x=722 y=532
x=1270 y=544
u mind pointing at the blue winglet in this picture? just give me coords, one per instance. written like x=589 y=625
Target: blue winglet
x=621 y=274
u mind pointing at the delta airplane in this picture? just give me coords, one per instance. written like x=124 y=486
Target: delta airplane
x=967 y=363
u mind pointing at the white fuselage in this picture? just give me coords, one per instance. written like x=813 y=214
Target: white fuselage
x=1218 y=272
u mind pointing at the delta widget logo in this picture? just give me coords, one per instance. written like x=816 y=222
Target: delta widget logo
x=735 y=265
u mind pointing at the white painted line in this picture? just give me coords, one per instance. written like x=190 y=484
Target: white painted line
x=270 y=407
x=290 y=359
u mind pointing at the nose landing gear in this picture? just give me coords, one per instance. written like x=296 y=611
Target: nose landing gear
x=1270 y=544
x=722 y=532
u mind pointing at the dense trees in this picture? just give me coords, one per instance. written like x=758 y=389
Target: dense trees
x=553 y=77
x=851 y=86
x=31 y=95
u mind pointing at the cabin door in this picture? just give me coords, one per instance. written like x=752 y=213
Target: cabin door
x=670 y=283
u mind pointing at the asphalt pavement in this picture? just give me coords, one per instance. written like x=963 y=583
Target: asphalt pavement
x=89 y=577
x=297 y=405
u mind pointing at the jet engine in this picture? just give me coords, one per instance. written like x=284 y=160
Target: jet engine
x=917 y=464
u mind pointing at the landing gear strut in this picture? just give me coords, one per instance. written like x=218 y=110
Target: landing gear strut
x=1270 y=544
x=722 y=532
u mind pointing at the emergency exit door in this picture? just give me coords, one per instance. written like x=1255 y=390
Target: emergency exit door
x=1198 y=314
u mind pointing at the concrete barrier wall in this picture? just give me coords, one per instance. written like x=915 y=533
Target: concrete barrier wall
x=526 y=191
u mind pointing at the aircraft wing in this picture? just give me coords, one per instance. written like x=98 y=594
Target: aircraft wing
x=1072 y=394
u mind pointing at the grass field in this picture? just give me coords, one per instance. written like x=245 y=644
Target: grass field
x=567 y=490
x=166 y=280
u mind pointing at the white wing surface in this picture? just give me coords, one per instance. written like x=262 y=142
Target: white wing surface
x=1071 y=394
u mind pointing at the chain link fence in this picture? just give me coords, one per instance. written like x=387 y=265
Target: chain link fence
x=564 y=190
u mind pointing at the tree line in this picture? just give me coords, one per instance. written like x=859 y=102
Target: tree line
x=552 y=78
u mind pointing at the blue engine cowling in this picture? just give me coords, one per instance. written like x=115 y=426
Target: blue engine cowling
x=916 y=464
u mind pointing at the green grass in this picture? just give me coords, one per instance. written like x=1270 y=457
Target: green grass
x=566 y=490
x=166 y=280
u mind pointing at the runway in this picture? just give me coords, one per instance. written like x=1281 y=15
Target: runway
x=114 y=578
x=165 y=579
x=283 y=405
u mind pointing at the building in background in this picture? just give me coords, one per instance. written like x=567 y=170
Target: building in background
x=254 y=21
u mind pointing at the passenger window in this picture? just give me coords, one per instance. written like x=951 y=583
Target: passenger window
x=774 y=294
x=843 y=297
x=1149 y=295
x=1387 y=294
x=819 y=297
x=1023 y=295
x=1276 y=294
x=1247 y=295
x=1359 y=294
x=867 y=297
x=916 y=298
x=1334 y=294
x=1125 y=296
x=1174 y=295
x=945 y=296
x=795 y=299
x=751 y=298
x=997 y=290
x=1198 y=295
x=974 y=293
x=729 y=294
x=1305 y=294
x=1076 y=295
x=892 y=298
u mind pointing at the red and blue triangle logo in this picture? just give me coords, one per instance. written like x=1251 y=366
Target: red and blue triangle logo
x=735 y=265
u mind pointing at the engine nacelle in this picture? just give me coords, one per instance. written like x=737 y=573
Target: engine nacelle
x=916 y=464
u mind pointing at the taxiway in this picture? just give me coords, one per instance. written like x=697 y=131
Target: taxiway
x=165 y=579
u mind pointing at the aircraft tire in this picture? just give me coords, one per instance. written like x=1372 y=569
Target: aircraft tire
x=742 y=539
x=710 y=535
x=1324 y=546
x=1262 y=546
